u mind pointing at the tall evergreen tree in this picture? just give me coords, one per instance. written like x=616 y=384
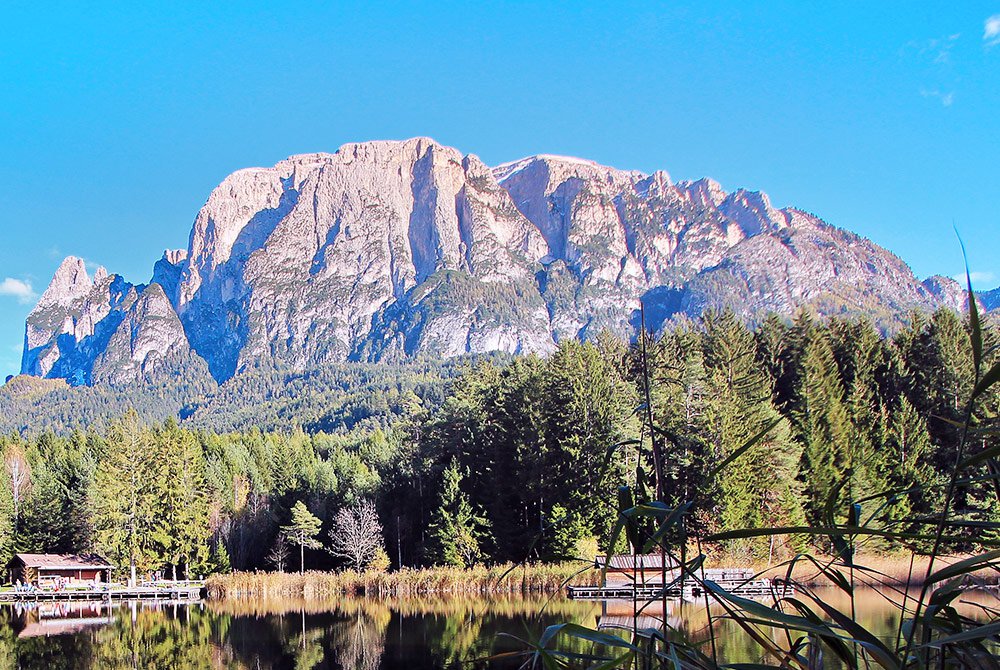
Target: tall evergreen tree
x=680 y=393
x=302 y=530
x=125 y=500
x=184 y=498
x=7 y=549
x=822 y=425
x=456 y=529
x=758 y=488
x=587 y=406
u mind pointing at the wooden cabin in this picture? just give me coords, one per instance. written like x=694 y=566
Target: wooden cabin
x=45 y=570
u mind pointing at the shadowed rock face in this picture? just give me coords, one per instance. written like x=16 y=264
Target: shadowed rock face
x=990 y=299
x=385 y=250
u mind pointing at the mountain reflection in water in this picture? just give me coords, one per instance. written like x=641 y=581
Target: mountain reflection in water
x=368 y=634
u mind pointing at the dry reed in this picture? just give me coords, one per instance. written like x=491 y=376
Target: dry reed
x=506 y=578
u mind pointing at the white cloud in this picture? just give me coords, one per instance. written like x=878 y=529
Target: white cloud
x=947 y=98
x=17 y=288
x=991 y=31
x=936 y=51
x=978 y=278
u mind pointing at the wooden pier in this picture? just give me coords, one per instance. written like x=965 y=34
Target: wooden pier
x=739 y=582
x=177 y=592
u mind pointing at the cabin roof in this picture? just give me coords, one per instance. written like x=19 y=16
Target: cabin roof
x=63 y=561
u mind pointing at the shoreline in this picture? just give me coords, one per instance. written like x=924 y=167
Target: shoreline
x=536 y=578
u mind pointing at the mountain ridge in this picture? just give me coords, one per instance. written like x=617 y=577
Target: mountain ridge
x=386 y=250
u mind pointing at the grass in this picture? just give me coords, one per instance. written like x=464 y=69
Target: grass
x=499 y=579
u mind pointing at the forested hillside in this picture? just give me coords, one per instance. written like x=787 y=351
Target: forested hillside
x=522 y=458
x=334 y=398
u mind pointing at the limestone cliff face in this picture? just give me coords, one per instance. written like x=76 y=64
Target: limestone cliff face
x=394 y=249
x=102 y=329
x=295 y=263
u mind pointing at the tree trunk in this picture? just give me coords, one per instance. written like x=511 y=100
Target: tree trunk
x=302 y=558
x=131 y=566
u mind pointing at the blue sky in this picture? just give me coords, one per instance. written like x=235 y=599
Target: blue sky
x=117 y=121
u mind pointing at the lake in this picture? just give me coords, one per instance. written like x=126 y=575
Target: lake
x=414 y=633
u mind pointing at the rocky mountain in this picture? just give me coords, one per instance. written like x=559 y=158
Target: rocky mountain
x=394 y=250
x=990 y=299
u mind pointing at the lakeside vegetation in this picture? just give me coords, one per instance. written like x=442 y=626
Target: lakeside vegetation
x=512 y=463
x=504 y=578
x=887 y=570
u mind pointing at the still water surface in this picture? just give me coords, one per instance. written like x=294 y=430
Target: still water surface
x=419 y=634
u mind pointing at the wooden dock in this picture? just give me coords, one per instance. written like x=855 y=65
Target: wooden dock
x=177 y=592
x=735 y=581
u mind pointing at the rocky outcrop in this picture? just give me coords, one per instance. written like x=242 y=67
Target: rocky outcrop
x=148 y=342
x=385 y=250
x=949 y=293
x=103 y=330
x=990 y=299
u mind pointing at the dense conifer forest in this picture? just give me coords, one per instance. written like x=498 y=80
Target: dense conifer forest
x=506 y=460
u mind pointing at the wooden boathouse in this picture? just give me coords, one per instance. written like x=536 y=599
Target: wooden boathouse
x=45 y=570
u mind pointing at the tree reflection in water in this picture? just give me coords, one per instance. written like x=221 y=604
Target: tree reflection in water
x=348 y=633
x=414 y=633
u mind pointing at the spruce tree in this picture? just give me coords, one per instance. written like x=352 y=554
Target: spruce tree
x=586 y=406
x=125 y=498
x=184 y=496
x=680 y=394
x=456 y=528
x=757 y=489
x=822 y=424
x=7 y=549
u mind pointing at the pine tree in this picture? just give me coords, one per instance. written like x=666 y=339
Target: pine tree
x=679 y=391
x=6 y=522
x=908 y=447
x=586 y=405
x=184 y=496
x=42 y=526
x=302 y=530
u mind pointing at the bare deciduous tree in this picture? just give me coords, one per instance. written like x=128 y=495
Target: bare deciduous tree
x=278 y=556
x=19 y=471
x=356 y=534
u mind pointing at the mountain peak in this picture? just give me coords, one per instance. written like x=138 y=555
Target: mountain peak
x=397 y=248
x=69 y=283
x=564 y=165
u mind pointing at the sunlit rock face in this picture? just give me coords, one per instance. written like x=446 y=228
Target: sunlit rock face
x=386 y=250
x=103 y=330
